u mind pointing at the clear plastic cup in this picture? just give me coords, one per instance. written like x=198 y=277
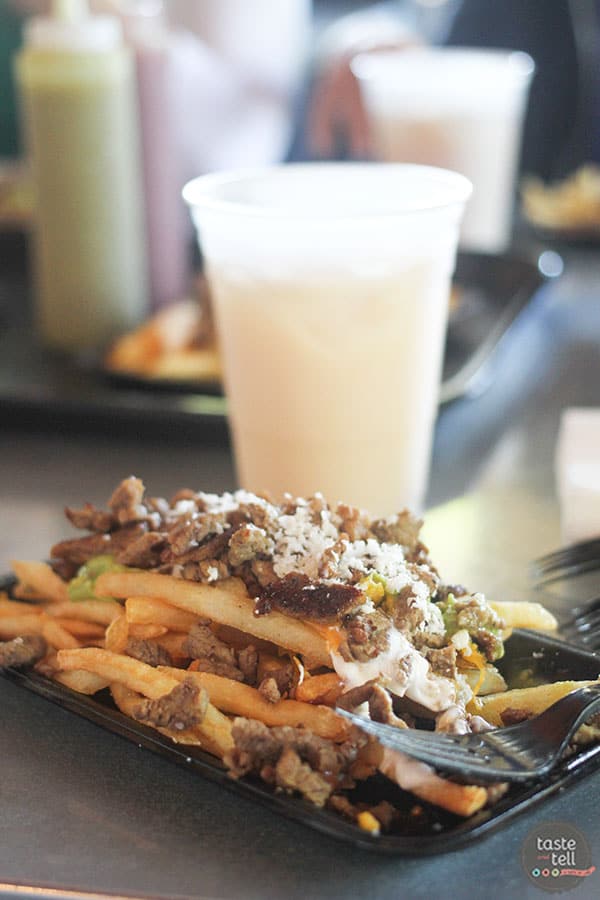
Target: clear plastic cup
x=331 y=286
x=461 y=109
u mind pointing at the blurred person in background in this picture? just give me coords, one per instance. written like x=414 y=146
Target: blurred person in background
x=561 y=36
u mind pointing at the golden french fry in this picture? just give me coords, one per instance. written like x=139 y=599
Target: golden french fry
x=117 y=634
x=81 y=681
x=83 y=630
x=533 y=700
x=144 y=679
x=147 y=632
x=100 y=611
x=57 y=636
x=173 y=642
x=522 y=614
x=17 y=608
x=243 y=700
x=226 y=602
x=41 y=578
x=24 y=592
x=460 y=799
x=15 y=626
x=315 y=688
x=147 y=611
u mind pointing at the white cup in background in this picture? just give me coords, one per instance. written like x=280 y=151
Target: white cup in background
x=461 y=109
x=577 y=469
x=331 y=284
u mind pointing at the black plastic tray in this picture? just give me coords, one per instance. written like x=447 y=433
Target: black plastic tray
x=48 y=390
x=436 y=831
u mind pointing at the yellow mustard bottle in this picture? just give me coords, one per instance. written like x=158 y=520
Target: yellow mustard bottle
x=78 y=98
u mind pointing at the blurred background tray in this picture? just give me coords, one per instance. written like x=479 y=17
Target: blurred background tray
x=45 y=390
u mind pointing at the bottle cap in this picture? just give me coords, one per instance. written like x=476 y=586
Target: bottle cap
x=71 y=28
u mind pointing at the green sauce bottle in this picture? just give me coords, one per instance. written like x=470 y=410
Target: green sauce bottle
x=80 y=119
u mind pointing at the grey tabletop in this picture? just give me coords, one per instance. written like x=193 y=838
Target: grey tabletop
x=84 y=811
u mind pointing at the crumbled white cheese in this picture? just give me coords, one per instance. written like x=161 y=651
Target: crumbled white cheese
x=212 y=573
x=184 y=507
x=300 y=543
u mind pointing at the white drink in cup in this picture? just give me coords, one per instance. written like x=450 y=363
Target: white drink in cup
x=331 y=286
x=461 y=109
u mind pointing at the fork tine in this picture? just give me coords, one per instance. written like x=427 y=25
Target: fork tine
x=518 y=753
x=473 y=759
x=573 y=559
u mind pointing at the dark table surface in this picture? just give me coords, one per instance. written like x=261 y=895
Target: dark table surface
x=85 y=811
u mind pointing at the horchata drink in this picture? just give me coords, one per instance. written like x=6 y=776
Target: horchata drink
x=331 y=285
x=456 y=108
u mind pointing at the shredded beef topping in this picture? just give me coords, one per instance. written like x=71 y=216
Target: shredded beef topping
x=302 y=557
x=212 y=654
x=89 y=518
x=79 y=550
x=294 y=775
x=260 y=749
x=367 y=635
x=381 y=708
x=443 y=661
x=22 y=651
x=148 y=652
x=247 y=660
x=144 y=552
x=247 y=543
x=182 y=708
x=277 y=683
x=401 y=529
x=297 y=595
x=126 y=502
x=356 y=696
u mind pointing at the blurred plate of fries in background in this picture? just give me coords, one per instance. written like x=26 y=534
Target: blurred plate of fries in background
x=569 y=208
x=180 y=648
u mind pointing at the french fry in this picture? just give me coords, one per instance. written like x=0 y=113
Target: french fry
x=242 y=700
x=522 y=614
x=533 y=700
x=147 y=632
x=81 y=681
x=24 y=592
x=15 y=626
x=150 y=682
x=57 y=636
x=99 y=611
x=17 y=608
x=117 y=634
x=83 y=630
x=148 y=611
x=227 y=603
x=173 y=642
x=460 y=799
x=41 y=578
x=315 y=688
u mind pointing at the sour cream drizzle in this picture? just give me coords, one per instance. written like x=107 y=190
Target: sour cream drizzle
x=419 y=684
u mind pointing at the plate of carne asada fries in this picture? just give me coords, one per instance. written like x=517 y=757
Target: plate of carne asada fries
x=234 y=626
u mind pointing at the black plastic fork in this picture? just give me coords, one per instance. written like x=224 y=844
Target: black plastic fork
x=517 y=753
x=567 y=562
